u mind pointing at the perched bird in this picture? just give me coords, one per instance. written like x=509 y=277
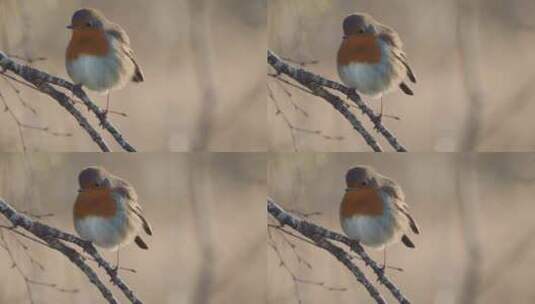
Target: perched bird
x=373 y=210
x=370 y=58
x=107 y=212
x=99 y=56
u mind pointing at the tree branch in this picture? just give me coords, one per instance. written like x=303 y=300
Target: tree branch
x=55 y=239
x=321 y=236
x=317 y=84
x=43 y=82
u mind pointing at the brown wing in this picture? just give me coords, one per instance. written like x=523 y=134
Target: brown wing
x=403 y=59
x=392 y=38
x=391 y=188
x=123 y=187
x=404 y=208
x=394 y=190
x=118 y=33
x=389 y=36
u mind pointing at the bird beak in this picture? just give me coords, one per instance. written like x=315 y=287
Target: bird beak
x=80 y=190
x=70 y=27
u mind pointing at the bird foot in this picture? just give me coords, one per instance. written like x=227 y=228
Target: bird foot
x=103 y=116
x=377 y=121
x=351 y=92
x=87 y=246
x=115 y=270
x=382 y=272
x=76 y=88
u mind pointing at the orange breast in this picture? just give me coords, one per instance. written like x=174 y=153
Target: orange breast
x=364 y=201
x=87 y=41
x=363 y=48
x=97 y=202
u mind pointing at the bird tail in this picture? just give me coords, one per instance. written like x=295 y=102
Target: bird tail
x=140 y=243
x=407 y=242
x=405 y=88
x=138 y=74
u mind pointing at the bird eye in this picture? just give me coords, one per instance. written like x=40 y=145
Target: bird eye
x=361 y=30
x=363 y=183
x=89 y=24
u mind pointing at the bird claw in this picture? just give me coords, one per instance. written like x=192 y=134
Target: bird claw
x=76 y=87
x=352 y=92
x=382 y=271
x=87 y=246
x=377 y=120
x=113 y=272
x=103 y=117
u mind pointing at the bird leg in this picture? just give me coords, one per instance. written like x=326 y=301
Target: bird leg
x=379 y=117
x=381 y=112
x=76 y=87
x=116 y=268
x=384 y=259
x=105 y=112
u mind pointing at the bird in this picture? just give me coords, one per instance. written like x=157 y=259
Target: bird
x=373 y=210
x=107 y=212
x=99 y=55
x=370 y=58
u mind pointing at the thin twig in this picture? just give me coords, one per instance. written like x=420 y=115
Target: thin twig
x=289 y=124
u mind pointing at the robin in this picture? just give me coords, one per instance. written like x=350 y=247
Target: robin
x=373 y=210
x=107 y=212
x=99 y=56
x=370 y=58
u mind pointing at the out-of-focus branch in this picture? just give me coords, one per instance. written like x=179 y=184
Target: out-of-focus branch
x=509 y=108
x=202 y=219
x=468 y=40
x=321 y=237
x=43 y=82
x=498 y=271
x=203 y=58
x=55 y=239
x=468 y=198
x=317 y=84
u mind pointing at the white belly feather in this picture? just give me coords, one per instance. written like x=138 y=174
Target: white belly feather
x=373 y=79
x=102 y=73
x=377 y=231
x=110 y=233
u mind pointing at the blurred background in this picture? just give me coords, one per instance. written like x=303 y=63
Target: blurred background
x=474 y=91
x=475 y=211
x=204 y=65
x=209 y=227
